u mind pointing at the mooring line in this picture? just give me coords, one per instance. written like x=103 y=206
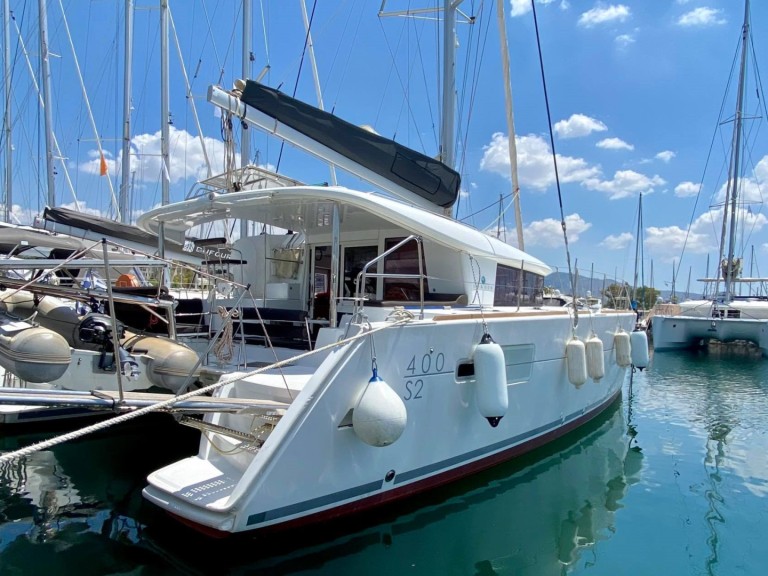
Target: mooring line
x=45 y=444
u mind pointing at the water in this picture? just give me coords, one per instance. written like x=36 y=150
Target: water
x=671 y=480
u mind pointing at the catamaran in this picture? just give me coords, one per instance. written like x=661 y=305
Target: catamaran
x=726 y=316
x=429 y=353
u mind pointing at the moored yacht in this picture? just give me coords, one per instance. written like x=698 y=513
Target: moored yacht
x=429 y=354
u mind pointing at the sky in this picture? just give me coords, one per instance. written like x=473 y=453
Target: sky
x=641 y=97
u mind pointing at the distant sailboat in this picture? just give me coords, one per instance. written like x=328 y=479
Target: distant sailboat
x=726 y=316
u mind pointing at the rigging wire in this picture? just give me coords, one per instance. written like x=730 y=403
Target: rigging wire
x=209 y=36
x=491 y=205
x=298 y=74
x=39 y=155
x=264 y=32
x=87 y=102
x=554 y=161
x=403 y=86
x=342 y=41
x=467 y=99
x=725 y=145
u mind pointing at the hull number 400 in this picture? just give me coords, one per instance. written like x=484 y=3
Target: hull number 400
x=428 y=364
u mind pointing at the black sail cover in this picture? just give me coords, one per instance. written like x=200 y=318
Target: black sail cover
x=420 y=174
x=99 y=225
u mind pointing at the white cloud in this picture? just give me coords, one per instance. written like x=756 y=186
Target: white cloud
x=603 y=14
x=667 y=243
x=749 y=192
x=625 y=183
x=686 y=189
x=761 y=169
x=665 y=156
x=535 y=166
x=614 y=144
x=624 y=40
x=521 y=7
x=578 y=125
x=549 y=232
x=617 y=241
x=186 y=157
x=701 y=17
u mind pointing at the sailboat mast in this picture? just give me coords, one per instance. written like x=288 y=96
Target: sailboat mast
x=448 y=122
x=315 y=73
x=245 y=135
x=638 y=242
x=165 y=174
x=736 y=152
x=8 y=200
x=510 y=121
x=46 y=81
x=123 y=196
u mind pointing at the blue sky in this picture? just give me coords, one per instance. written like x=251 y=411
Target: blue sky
x=635 y=90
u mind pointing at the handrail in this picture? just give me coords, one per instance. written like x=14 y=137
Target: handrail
x=363 y=274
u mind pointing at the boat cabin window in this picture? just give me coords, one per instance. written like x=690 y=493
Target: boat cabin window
x=513 y=289
x=403 y=261
x=352 y=262
x=355 y=258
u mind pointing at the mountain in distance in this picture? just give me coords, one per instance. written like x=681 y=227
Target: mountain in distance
x=560 y=281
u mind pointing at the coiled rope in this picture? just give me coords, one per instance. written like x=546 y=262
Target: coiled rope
x=44 y=445
x=223 y=349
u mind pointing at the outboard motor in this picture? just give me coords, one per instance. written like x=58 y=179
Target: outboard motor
x=96 y=330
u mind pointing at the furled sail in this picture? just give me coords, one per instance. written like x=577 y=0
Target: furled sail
x=411 y=170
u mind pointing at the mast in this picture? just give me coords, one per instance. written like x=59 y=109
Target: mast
x=736 y=153
x=8 y=200
x=315 y=74
x=46 y=80
x=123 y=196
x=164 y=152
x=638 y=241
x=510 y=121
x=245 y=137
x=448 y=121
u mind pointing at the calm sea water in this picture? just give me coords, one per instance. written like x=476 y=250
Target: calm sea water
x=673 y=479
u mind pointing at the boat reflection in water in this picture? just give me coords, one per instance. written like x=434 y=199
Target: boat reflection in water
x=76 y=509
x=535 y=515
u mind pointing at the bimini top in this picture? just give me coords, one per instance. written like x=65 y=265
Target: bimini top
x=309 y=209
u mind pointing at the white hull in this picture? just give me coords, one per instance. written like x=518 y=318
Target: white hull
x=695 y=325
x=314 y=466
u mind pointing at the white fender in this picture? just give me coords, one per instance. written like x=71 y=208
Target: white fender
x=623 y=348
x=595 y=358
x=639 y=341
x=491 y=392
x=576 y=359
x=379 y=418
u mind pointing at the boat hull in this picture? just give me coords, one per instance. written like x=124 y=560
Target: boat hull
x=680 y=332
x=313 y=467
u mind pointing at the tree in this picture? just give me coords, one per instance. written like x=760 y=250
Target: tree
x=617 y=295
x=646 y=297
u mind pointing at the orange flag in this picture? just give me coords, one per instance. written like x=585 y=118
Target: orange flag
x=103 y=166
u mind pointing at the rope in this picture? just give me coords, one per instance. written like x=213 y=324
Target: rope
x=46 y=444
x=223 y=349
x=554 y=161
